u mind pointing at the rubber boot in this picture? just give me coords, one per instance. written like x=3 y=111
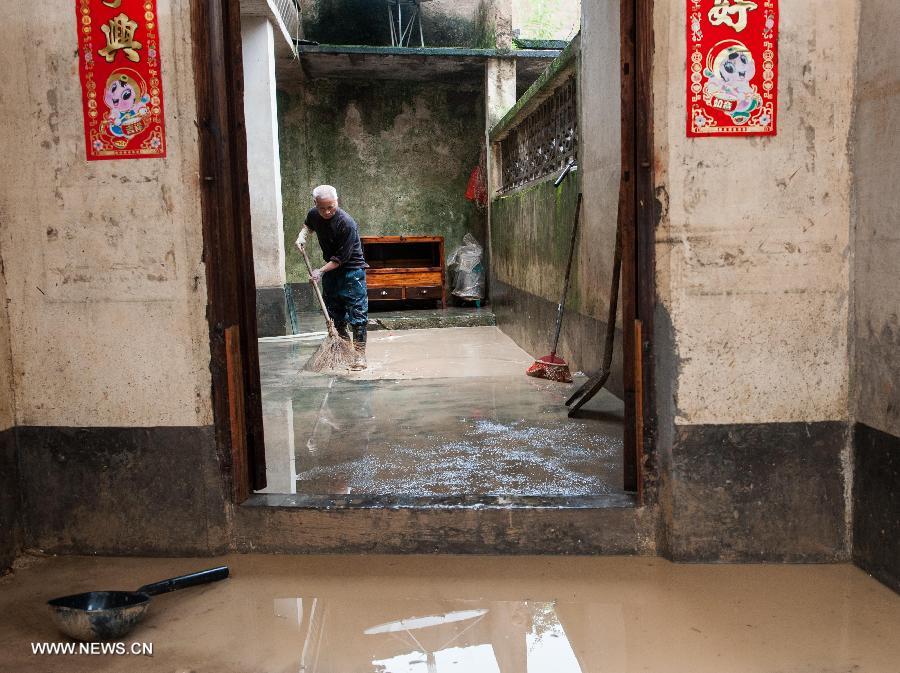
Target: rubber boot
x=359 y=345
x=341 y=328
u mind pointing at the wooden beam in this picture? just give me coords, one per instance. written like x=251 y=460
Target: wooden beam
x=227 y=253
x=629 y=268
x=645 y=228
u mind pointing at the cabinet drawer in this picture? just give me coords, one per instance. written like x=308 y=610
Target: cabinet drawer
x=432 y=292
x=376 y=293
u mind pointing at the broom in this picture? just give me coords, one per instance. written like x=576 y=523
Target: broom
x=551 y=366
x=334 y=352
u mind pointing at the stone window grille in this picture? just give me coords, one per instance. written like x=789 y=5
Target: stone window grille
x=543 y=142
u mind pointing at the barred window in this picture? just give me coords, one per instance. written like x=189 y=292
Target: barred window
x=543 y=142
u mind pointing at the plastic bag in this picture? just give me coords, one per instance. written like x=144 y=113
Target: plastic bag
x=468 y=273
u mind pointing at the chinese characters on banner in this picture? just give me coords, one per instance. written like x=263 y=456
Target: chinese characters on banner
x=732 y=74
x=121 y=85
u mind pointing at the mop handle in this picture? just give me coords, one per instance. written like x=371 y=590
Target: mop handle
x=328 y=320
x=562 y=301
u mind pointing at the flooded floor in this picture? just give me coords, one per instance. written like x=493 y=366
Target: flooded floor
x=388 y=614
x=439 y=412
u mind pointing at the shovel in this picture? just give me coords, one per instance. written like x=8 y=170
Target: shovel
x=109 y=615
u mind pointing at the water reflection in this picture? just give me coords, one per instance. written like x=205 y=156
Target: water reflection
x=449 y=636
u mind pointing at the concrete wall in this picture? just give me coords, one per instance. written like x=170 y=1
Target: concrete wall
x=10 y=496
x=108 y=355
x=107 y=302
x=258 y=47
x=752 y=253
x=875 y=373
x=445 y=23
x=531 y=233
x=263 y=162
x=399 y=153
x=600 y=106
x=531 y=227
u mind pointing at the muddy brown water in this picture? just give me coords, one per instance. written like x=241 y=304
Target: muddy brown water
x=354 y=614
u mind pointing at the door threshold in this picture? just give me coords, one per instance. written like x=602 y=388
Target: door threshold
x=372 y=501
x=292 y=524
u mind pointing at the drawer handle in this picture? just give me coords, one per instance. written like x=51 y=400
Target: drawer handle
x=424 y=291
x=384 y=293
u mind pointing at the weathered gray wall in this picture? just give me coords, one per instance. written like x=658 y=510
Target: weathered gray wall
x=445 y=23
x=531 y=233
x=875 y=365
x=531 y=227
x=399 y=153
x=107 y=300
x=753 y=284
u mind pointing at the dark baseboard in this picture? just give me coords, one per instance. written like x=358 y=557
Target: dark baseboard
x=272 y=312
x=876 y=504
x=738 y=493
x=122 y=491
x=757 y=492
x=10 y=502
x=529 y=320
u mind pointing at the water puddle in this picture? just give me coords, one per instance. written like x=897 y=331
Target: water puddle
x=334 y=636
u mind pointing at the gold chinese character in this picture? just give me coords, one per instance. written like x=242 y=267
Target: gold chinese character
x=120 y=35
x=112 y=4
x=731 y=12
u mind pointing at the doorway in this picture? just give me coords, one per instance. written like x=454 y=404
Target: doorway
x=406 y=406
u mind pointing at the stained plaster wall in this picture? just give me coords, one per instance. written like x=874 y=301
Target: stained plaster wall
x=399 y=153
x=107 y=300
x=752 y=255
x=875 y=328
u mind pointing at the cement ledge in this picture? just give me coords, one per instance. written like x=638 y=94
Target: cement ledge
x=362 y=501
x=446 y=530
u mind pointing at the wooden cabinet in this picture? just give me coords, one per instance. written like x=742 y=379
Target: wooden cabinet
x=405 y=268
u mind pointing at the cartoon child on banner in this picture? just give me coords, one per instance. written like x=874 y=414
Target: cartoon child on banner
x=124 y=96
x=729 y=70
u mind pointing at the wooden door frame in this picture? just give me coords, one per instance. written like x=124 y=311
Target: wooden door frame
x=638 y=258
x=227 y=243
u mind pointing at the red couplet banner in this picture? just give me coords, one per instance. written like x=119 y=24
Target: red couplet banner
x=732 y=69
x=121 y=84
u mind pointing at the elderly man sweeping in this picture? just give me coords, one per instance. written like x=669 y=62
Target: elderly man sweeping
x=343 y=277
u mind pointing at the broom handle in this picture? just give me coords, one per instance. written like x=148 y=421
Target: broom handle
x=332 y=330
x=562 y=301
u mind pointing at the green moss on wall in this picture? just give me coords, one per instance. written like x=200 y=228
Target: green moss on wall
x=485 y=30
x=531 y=233
x=399 y=154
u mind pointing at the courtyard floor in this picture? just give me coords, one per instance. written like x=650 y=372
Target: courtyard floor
x=439 y=412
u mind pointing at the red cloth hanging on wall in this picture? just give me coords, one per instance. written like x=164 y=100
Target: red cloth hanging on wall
x=477 y=188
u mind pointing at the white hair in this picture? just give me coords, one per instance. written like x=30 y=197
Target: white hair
x=324 y=192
